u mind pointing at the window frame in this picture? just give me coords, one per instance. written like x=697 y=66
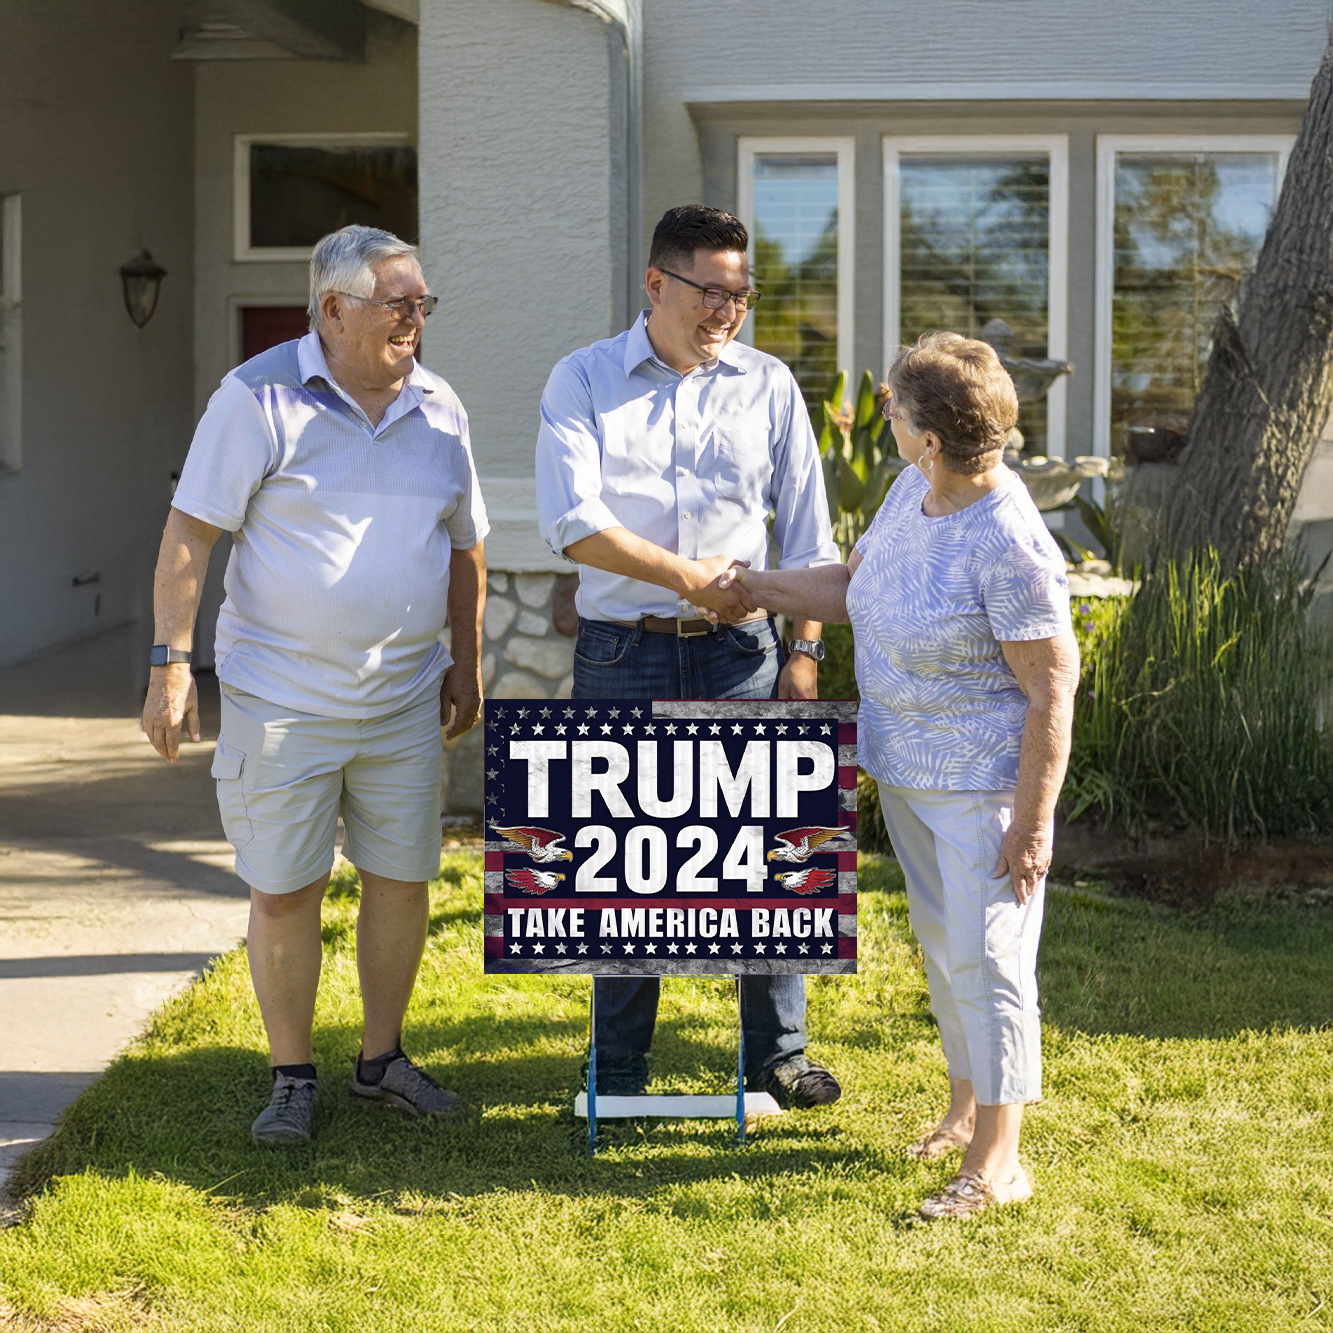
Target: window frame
x=11 y=314
x=1108 y=147
x=843 y=147
x=1055 y=147
x=242 y=251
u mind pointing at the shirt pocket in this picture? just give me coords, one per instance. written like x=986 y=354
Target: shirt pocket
x=742 y=467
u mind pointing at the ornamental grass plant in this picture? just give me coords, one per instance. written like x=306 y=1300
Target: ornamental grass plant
x=1204 y=705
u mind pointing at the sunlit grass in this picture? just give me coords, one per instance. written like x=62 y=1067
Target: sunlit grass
x=1183 y=1155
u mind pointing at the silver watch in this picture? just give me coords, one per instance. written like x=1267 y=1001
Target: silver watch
x=812 y=648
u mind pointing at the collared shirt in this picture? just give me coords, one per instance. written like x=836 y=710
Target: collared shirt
x=338 y=582
x=693 y=463
x=930 y=604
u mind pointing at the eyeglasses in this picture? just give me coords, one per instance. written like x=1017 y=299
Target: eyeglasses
x=402 y=306
x=890 y=415
x=716 y=297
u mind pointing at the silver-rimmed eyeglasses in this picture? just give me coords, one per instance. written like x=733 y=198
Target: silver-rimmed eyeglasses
x=404 y=307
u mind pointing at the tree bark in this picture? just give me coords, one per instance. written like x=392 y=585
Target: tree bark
x=1268 y=389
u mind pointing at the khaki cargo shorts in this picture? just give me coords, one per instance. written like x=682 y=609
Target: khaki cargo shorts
x=284 y=777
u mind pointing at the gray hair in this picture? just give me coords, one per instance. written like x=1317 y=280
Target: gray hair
x=344 y=261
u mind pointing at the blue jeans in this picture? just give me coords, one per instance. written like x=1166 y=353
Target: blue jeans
x=732 y=662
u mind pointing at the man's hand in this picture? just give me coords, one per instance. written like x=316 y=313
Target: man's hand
x=172 y=702
x=1025 y=854
x=720 y=592
x=799 y=679
x=460 y=698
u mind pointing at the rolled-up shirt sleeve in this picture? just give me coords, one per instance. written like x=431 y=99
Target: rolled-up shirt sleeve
x=233 y=450
x=800 y=505
x=468 y=524
x=569 y=463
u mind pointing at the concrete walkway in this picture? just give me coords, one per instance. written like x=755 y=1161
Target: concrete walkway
x=115 y=882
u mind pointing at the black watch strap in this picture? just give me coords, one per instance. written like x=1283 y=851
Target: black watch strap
x=161 y=655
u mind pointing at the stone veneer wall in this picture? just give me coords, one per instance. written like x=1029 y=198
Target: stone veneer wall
x=527 y=653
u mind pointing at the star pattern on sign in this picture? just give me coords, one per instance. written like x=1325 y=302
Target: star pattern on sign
x=636 y=712
x=629 y=729
x=713 y=729
x=560 y=728
x=802 y=730
x=591 y=712
x=614 y=713
x=515 y=948
x=606 y=948
x=735 y=728
x=805 y=948
x=583 y=728
x=492 y=773
x=515 y=729
x=673 y=947
x=692 y=729
x=715 y=947
x=825 y=730
x=759 y=948
x=779 y=948
x=546 y=712
x=492 y=799
x=650 y=948
x=492 y=749
x=736 y=946
x=498 y=714
x=691 y=947
x=569 y=712
x=606 y=728
x=758 y=728
x=560 y=947
x=782 y=728
x=523 y=712
x=826 y=948
x=539 y=947
x=583 y=948
x=629 y=946
x=538 y=729
x=671 y=729
x=650 y=730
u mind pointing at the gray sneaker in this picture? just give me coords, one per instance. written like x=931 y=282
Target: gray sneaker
x=286 y=1118
x=408 y=1087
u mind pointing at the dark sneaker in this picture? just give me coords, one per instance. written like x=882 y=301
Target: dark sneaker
x=797 y=1081
x=621 y=1080
x=286 y=1118
x=408 y=1087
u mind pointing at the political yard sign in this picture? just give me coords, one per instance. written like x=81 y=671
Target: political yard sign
x=670 y=837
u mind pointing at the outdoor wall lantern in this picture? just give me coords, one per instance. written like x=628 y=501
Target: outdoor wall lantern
x=141 y=278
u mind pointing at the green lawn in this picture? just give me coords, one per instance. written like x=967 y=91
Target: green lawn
x=1183 y=1157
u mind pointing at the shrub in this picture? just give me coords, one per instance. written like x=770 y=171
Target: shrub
x=1201 y=706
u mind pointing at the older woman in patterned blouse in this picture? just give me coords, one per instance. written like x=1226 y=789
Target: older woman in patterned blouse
x=967 y=666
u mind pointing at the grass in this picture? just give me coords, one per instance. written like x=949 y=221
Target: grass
x=1183 y=1155
x=1198 y=662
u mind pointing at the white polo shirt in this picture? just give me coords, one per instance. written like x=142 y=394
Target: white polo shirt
x=338 y=582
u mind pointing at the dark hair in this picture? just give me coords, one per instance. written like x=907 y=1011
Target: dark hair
x=691 y=227
x=956 y=387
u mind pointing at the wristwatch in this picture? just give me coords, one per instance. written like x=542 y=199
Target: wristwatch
x=161 y=655
x=812 y=648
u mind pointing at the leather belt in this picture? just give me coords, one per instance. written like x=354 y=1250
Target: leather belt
x=682 y=629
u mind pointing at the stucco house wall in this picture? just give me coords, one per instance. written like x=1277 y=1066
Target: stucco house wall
x=95 y=138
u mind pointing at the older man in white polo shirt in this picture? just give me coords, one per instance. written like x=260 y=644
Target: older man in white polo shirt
x=343 y=469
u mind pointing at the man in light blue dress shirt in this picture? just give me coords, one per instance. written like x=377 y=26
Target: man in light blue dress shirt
x=661 y=454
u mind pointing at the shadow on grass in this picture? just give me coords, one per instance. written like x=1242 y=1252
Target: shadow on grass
x=186 y=1117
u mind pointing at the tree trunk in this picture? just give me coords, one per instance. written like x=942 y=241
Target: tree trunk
x=1268 y=390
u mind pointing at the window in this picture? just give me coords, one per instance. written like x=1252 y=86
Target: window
x=796 y=199
x=11 y=335
x=975 y=230
x=291 y=190
x=1179 y=221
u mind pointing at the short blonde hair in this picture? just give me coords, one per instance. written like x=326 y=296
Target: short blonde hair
x=956 y=388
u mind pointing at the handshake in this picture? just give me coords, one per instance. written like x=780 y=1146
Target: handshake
x=718 y=589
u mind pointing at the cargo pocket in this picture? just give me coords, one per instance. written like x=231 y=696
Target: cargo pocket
x=228 y=764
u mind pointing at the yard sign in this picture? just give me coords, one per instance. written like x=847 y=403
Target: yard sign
x=670 y=837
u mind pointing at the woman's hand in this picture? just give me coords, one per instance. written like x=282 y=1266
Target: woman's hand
x=736 y=575
x=1025 y=855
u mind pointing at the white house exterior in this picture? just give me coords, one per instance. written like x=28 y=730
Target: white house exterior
x=1009 y=142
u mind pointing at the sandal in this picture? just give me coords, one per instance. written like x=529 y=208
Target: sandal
x=937 y=1143
x=968 y=1195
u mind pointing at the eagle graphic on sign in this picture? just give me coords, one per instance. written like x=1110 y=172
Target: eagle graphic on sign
x=800 y=844
x=806 y=881
x=539 y=843
x=534 y=881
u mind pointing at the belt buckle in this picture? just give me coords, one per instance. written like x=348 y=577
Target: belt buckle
x=691 y=633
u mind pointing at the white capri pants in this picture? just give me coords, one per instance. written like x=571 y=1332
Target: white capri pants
x=980 y=946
